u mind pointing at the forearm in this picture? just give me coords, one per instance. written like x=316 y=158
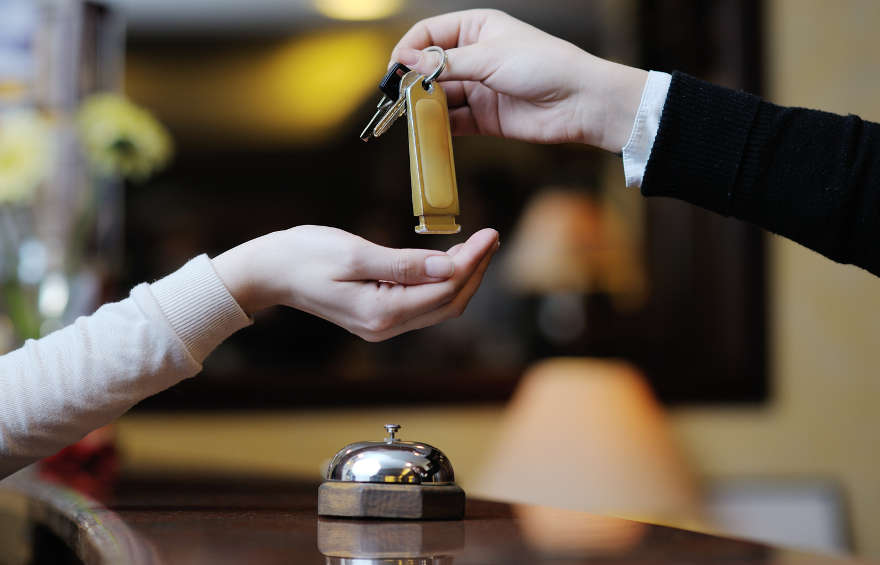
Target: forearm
x=811 y=176
x=55 y=390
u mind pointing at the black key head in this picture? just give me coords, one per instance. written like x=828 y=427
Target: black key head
x=390 y=85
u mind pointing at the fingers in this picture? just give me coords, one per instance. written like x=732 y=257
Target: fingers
x=454 y=249
x=443 y=31
x=468 y=63
x=454 y=307
x=456 y=33
x=455 y=93
x=405 y=266
x=422 y=298
x=471 y=252
x=461 y=116
x=388 y=309
x=462 y=121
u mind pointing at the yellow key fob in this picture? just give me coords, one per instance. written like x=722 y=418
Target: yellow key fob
x=432 y=167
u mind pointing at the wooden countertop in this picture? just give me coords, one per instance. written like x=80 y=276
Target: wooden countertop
x=245 y=520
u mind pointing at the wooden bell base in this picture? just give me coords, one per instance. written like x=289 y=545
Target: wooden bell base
x=384 y=539
x=390 y=501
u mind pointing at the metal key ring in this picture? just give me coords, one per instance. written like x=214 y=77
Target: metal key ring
x=433 y=76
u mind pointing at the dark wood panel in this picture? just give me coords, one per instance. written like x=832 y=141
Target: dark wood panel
x=699 y=337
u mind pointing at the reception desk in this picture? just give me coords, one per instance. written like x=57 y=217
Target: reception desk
x=246 y=520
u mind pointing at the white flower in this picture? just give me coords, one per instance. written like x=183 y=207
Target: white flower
x=25 y=154
x=121 y=138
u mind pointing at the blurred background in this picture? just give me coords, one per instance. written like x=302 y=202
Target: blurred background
x=625 y=356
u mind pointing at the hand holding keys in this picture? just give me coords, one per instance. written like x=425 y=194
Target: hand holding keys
x=432 y=167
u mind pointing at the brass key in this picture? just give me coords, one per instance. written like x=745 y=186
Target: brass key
x=382 y=107
x=398 y=109
x=390 y=87
x=432 y=167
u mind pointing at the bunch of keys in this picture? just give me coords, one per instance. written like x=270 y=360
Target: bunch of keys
x=432 y=168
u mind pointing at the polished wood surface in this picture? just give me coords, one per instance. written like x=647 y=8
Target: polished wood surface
x=236 y=520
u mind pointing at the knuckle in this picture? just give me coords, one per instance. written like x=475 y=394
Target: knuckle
x=367 y=329
x=488 y=12
x=370 y=337
x=449 y=294
x=367 y=316
x=381 y=322
x=374 y=325
x=389 y=321
x=349 y=260
x=403 y=268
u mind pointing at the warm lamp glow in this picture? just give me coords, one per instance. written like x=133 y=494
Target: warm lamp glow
x=570 y=241
x=317 y=81
x=301 y=89
x=588 y=435
x=358 y=9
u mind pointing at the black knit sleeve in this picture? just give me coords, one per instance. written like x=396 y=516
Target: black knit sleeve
x=811 y=176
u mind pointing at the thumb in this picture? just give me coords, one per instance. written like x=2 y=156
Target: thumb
x=404 y=266
x=470 y=63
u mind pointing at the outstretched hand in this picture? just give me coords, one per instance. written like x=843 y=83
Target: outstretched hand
x=507 y=78
x=372 y=291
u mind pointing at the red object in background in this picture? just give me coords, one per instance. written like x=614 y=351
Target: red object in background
x=90 y=466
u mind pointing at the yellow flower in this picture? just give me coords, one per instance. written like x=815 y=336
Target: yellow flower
x=25 y=154
x=121 y=138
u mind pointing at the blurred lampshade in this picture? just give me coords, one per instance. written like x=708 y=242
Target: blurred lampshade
x=588 y=435
x=567 y=241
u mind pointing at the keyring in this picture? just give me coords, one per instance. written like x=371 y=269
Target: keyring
x=433 y=76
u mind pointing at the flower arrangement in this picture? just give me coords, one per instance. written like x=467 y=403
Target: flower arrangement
x=54 y=172
x=121 y=139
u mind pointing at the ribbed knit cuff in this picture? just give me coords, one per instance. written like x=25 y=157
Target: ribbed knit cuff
x=199 y=307
x=698 y=149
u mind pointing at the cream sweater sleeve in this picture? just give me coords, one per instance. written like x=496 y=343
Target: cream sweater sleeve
x=56 y=389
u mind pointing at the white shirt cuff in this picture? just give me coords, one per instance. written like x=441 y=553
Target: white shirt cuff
x=638 y=147
x=199 y=307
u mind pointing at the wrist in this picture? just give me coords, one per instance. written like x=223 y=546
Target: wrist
x=611 y=98
x=235 y=268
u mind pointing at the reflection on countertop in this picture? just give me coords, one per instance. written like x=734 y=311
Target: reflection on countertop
x=200 y=519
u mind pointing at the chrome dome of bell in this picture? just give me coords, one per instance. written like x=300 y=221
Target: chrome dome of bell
x=391 y=461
